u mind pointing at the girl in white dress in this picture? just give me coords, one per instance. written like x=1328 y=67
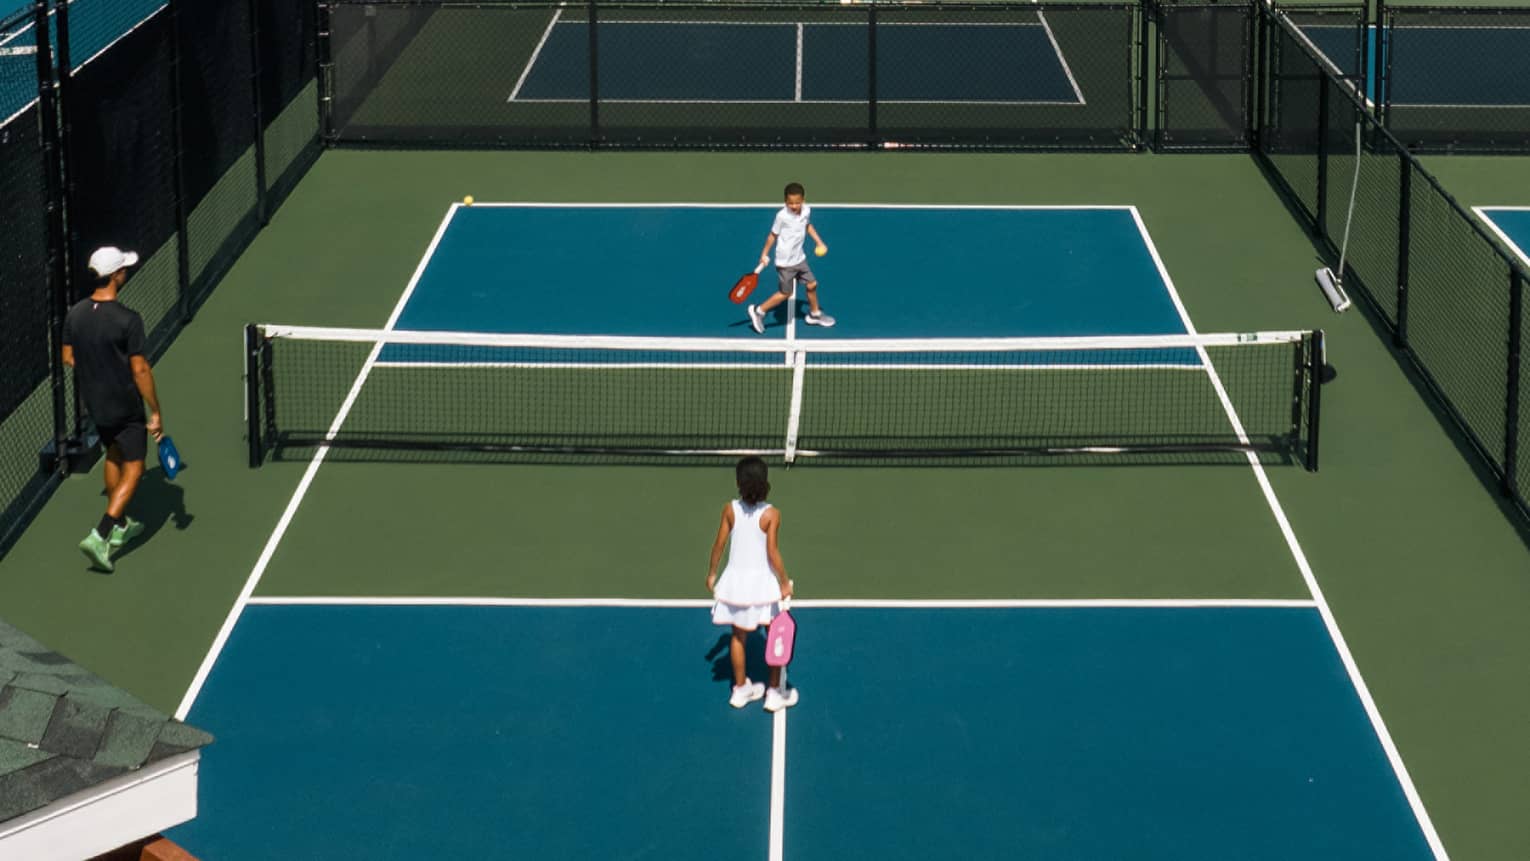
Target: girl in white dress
x=752 y=585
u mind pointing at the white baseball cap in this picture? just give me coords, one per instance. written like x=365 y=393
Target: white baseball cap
x=105 y=261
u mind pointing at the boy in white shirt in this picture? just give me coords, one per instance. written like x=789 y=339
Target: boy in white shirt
x=787 y=234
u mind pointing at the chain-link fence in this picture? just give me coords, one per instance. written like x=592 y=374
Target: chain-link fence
x=1003 y=75
x=173 y=129
x=1450 y=296
x=1454 y=77
x=27 y=420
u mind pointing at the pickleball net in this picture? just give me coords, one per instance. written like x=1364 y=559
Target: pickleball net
x=820 y=399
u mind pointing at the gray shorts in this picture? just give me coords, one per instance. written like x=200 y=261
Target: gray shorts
x=796 y=272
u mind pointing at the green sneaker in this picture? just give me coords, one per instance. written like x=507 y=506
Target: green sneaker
x=98 y=550
x=121 y=535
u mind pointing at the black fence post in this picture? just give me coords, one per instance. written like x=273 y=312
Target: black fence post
x=1511 y=411
x=1321 y=216
x=58 y=304
x=324 y=73
x=1256 y=96
x=871 y=74
x=182 y=245
x=594 y=27
x=262 y=205
x=1404 y=243
x=1383 y=60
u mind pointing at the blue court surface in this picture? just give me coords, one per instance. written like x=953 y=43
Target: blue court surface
x=799 y=62
x=380 y=732
x=891 y=272
x=1436 y=66
x=1511 y=224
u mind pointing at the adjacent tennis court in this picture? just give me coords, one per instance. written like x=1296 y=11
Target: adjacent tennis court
x=1511 y=224
x=1207 y=707
x=1434 y=66
x=798 y=62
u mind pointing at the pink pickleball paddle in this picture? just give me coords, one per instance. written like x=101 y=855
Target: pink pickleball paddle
x=781 y=636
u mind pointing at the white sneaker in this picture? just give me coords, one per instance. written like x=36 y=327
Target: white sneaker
x=819 y=319
x=756 y=319
x=776 y=701
x=746 y=693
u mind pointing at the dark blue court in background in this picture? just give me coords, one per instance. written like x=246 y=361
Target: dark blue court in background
x=786 y=62
x=410 y=732
x=1436 y=66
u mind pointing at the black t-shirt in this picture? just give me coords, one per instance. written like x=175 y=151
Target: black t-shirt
x=104 y=335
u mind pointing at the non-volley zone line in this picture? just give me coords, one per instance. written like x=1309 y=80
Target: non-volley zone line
x=805 y=63
x=799 y=603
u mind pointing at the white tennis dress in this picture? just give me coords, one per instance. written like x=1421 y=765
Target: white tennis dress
x=748 y=594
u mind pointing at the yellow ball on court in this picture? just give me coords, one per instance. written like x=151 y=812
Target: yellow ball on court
x=821 y=250
x=467 y=201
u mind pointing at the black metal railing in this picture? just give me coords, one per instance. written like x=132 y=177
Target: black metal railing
x=171 y=128
x=1448 y=294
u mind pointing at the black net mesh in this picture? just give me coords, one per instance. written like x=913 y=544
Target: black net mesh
x=724 y=74
x=1455 y=78
x=1204 y=76
x=122 y=169
x=26 y=352
x=288 y=94
x=676 y=399
x=1458 y=311
x=218 y=134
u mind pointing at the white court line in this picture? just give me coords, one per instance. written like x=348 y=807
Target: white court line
x=777 y=205
x=1057 y=102
x=1482 y=213
x=802 y=603
x=302 y=488
x=778 y=783
x=1063 y=60
x=1320 y=601
x=766 y=366
x=532 y=60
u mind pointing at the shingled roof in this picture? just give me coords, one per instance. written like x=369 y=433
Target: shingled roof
x=63 y=730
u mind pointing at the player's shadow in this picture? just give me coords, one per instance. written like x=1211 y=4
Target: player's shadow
x=775 y=320
x=754 y=657
x=157 y=503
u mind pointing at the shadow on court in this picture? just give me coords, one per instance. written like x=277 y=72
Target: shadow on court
x=754 y=658
x=157 y=503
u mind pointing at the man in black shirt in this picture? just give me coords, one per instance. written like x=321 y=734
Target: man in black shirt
x=103 y=342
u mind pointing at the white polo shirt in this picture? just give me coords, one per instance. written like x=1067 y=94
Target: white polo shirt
x=791 y=232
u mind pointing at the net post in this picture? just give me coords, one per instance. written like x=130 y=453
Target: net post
x=594 y=28
x=1404 y=242
x=262 y=205
x=252 y=391
x=871 y=73
x=1511 y=411
x=1320 y=221
x=798 y=361
x=1315 y=353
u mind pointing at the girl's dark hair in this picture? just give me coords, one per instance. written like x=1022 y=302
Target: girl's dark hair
x=794 y=188
x=753 y=487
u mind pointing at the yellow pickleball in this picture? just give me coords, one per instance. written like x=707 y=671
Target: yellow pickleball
x=467 y=201
x=821 y=250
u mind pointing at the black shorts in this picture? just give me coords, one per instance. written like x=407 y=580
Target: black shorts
x=131 y=439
